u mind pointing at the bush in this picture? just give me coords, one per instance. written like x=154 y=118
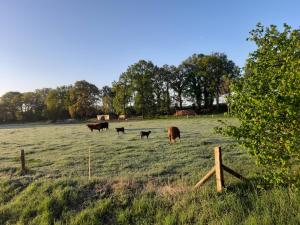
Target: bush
x=267 y=103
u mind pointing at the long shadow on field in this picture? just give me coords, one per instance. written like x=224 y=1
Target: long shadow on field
x=147 y=128
x=217 y=141
x=247 y=192
x=29 y=125
x=249 y=185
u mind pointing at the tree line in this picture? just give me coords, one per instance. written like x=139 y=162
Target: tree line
x=143 y=89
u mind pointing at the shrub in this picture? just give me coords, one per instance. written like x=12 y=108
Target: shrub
x=267 y=103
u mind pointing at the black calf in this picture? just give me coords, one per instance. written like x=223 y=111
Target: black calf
x=120 y=129
x=145 y=133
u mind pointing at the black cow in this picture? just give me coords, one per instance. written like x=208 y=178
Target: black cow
x=120 y=129
x=97 y=126
x=104 y=125
x=145 y=133
x=94 y=126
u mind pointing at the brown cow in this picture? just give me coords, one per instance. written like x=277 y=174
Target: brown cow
x=173 y=133
x=98 y=126
x=94 y=126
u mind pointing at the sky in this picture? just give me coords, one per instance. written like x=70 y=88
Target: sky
x=49 y=43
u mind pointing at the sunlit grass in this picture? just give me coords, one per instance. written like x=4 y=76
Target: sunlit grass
x=62 y=150
x=133 y=181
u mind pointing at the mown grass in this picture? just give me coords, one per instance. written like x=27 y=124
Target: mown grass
x=133 y=181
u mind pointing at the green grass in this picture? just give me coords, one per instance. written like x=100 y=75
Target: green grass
x=62 y=150
x=133 y=181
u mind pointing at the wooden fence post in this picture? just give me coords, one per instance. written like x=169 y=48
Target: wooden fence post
x=23 y=168
x=219 y=169
x=206 y=177
x=89 y=163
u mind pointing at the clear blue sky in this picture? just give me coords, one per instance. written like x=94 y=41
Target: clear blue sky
x=47 y=43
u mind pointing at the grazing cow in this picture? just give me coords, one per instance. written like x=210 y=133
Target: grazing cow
x=145 y=133
x=98 y=126
x=173 y=133
x=93 y=126
x=120 y=129
x=104 y=125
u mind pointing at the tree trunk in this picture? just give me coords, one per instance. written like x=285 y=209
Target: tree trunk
x=217 y=101
x=124 y=108
x=206 y=98
x=198 y=101
x=143 y=105
x=158 y=104
x=180 y=99
x=168 y=101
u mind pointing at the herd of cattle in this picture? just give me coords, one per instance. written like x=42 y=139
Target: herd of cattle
x=173 y=132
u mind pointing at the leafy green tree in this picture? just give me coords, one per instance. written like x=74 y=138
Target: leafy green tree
x=267 y=103
x=179 y=82
x=195 y=67
x=29 y=108
x=158 y=83
x=2 y=112
x=161 y=89
x=123 y=94
x=40 y=106
x=57 y=103
x=83 y=97
x=107 y=96
x=165 y=101
x=221 y=70
x=141 y=75
x=207 y=77
x=12 y=103
x=145 y=86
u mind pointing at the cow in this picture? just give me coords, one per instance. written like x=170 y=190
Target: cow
x=173 y=133
x=145 y=133
x=104 y=125
x=92 y=127
x=97 y=126
x=120 y=129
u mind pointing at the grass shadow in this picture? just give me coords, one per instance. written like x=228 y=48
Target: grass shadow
x=249 y=185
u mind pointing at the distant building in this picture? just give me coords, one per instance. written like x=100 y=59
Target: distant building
x=106 y=117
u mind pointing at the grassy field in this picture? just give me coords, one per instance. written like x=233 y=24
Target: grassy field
x=134 y=181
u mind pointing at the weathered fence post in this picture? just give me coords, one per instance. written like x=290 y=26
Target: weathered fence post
x=23 y=168
x=219 y=169
x=89 y=163
x=206 y=177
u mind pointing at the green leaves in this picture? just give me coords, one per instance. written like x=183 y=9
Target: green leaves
x=208 y=77
x=83 y=98
x=267 y=103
